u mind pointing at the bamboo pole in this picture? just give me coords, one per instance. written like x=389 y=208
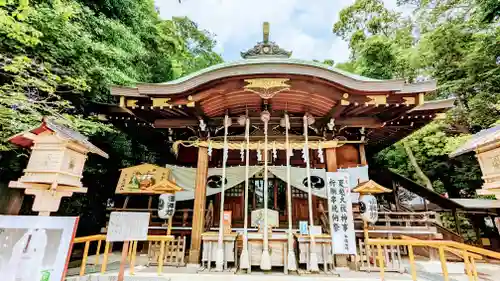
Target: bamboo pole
x=244 y=258
x=265 y=262
x=313 y=262
x=291 y=260
x=219 y=263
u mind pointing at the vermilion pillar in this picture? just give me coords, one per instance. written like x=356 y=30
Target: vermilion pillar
x=199 y=205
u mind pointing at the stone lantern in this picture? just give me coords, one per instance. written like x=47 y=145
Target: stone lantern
x=55 y=166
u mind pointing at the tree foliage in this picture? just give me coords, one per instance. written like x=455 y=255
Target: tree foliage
x=452 y=41
x=59 y=56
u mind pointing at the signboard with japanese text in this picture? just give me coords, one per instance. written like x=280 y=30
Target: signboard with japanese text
x=128 y=226
x=340 y=212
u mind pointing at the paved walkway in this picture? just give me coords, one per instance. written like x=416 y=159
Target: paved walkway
x=426 y=270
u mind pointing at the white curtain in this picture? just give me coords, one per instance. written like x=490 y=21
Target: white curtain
x=298 y=178
x=185 y=178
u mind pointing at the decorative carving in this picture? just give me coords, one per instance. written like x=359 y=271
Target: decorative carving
x=377 y=99
x=409 y=100
x=160 y=102
x=266 y=48
x=266 y=88
x=131 y=103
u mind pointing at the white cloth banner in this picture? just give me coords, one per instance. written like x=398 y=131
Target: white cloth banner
x=340 y=212
x=185 y=177
x=298 y=178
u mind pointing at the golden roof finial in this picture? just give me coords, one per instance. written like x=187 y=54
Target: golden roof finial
x=265 y=32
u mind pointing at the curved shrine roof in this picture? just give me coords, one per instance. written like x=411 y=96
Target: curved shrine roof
x=275 y=67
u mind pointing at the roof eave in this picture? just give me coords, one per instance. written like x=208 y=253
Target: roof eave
x=272 y=66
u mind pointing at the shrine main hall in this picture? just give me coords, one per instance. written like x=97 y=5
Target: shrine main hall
x=264 y=134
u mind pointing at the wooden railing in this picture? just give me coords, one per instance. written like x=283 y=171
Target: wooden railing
x=132 y=251
x=468 y=253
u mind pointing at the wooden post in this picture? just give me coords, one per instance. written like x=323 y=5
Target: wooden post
x=362 y=154
x=123 y=260
x=169 y=229
x=199 y=205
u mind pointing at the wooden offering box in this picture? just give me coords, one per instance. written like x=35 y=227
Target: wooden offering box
x=322 y=248
x=210 y=244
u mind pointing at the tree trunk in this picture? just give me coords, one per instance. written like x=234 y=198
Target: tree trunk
x=420 y=173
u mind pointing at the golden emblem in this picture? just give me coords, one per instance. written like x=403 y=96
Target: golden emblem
x=266 y=88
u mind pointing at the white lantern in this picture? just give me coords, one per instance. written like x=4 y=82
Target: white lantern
x=368 y=208
x=166 y=205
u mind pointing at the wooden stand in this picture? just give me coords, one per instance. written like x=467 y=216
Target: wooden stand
x=323 y=246
x=210 y=241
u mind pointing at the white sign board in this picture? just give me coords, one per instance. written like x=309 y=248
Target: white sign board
x=340 y=213
x=35 y=248
x=128 y=226
x=315 y=230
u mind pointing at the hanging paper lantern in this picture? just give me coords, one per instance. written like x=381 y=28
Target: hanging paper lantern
x=166 y=205
x=368 y=208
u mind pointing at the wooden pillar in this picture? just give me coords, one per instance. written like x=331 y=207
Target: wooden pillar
x=331 y=159
x=199 y=205
x=362 y=154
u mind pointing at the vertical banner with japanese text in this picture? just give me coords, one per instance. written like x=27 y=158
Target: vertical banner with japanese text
x=340 y=212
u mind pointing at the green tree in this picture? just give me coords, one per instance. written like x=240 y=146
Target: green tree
x=452 y=41
x=59 y=58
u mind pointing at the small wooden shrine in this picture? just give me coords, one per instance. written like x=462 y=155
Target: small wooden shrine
x=486 y=145
x=56 y=163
